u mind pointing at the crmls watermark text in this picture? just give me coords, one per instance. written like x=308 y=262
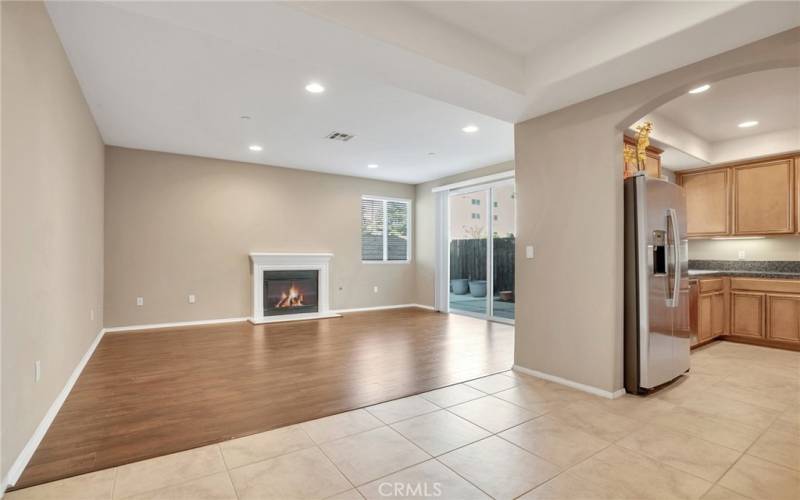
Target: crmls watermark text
x=398 y=489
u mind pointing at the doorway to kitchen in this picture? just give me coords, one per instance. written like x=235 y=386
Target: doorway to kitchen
x=481 y=234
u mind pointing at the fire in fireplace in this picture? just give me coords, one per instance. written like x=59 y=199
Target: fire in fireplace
x=292 y=298
x=290 y=292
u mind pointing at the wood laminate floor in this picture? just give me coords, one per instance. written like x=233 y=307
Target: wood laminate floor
x=151 y=393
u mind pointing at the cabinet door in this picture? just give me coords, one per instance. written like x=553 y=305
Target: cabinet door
x=704 y=318
x=747 y=314
x=783 y=317
x=763 y=198
x=653 y=165
x=797 y=194
x=707 y=202
x=711 y=316
x=718 y=314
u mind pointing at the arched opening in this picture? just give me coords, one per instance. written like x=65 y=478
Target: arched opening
x=712 y=219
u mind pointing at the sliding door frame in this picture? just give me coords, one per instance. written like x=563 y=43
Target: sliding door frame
x=442 y=285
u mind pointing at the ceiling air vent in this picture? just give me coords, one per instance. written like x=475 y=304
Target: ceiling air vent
x=339 y=136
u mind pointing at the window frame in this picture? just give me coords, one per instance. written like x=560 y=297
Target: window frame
x=384 y=199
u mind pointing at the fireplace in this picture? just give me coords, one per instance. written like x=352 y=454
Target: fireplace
x=291 y=292
x=290 y=287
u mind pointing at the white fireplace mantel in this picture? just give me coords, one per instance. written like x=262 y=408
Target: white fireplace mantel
x=290 y=262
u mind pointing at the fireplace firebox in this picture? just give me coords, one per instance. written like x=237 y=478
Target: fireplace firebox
x=291 y=292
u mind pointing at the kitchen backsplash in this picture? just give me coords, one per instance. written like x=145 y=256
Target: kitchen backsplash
x=761 y=266
x=764 y=249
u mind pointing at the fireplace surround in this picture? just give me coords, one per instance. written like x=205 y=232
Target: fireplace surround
x=290 y=286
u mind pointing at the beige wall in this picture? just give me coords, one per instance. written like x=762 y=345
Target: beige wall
x=52 y=222
x=426 y=226
x=771 y=248
x=178 y=224
x=569 y=200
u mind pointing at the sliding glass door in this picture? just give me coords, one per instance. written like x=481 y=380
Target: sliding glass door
x=504 y=238
x=482 y=229
x=469 y=228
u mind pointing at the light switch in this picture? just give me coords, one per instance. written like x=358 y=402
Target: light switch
x=139 y=301
x=192 y=298
x=741 y=255
x=529 y=252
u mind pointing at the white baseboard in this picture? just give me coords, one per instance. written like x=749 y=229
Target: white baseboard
x=153 y=326
x=570 y=383
x=422 y=306
x=30 y=447
x=378 y=308
x=334 y=312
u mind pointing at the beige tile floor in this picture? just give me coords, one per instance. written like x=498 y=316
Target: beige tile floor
x=729 y=430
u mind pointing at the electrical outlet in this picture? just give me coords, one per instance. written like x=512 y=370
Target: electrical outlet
x=741 y=255
x=192 y=298
x=37 y=371
x=140 y=301
x=375 y=288
x=529 y=252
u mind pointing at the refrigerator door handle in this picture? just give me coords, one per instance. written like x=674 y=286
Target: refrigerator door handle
x=672 y=221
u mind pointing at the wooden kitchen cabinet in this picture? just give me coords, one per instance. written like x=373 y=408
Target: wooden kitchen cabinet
x=708 y=310
x=783 y=317
x=711 y=316
x=797 y=194
x=747 y=199
x=707 y=202
x=747 y=314
x=763 y=198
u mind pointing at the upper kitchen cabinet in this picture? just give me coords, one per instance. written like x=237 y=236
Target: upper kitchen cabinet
x=797 y=194
x=707 y=202
x=763 y=198
x=748 y=199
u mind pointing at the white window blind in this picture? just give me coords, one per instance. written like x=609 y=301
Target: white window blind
x=385 y=229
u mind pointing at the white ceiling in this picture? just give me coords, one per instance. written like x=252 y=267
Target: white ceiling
x=525 y=27
x=403 y=77
x=770 y=97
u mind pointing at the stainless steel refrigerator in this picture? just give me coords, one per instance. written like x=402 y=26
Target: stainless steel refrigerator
x=657 y=327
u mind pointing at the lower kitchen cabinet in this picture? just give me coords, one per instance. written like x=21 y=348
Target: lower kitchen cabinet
x=783 y=317
x=711 y=316
x=747 y=314
x=755 y=310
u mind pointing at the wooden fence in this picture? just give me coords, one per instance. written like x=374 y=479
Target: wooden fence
x=468 y=260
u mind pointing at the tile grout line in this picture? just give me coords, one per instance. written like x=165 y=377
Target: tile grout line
x=743 y=453
x=329 y=459
x=228 y=469
x=114 y=484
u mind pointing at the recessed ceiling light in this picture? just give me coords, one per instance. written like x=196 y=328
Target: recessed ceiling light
x=470 y=129
x=748 y=124
x=431 y=154
x=373 y=165
x=315 y=88
x=255 y=147
x=245 y=117
x=700 y=89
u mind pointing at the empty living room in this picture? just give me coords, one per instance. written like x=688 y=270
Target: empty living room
x=399 y=249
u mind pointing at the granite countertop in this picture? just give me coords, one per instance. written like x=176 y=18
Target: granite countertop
x=709 y=273
x=788 y=270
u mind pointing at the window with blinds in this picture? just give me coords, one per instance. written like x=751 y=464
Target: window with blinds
x=385 y=230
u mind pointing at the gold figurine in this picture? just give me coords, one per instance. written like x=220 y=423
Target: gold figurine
x=642 y=141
